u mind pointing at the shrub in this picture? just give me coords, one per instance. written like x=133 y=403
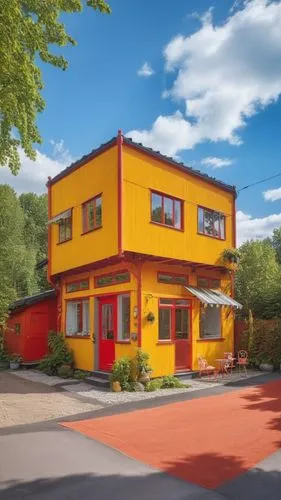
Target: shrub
x=154 y=385
x=65 y=371
x=60 y=354
x=171 y=382
x=80 y=375
x=121 y=372
x=4 y=356
x=142 y=363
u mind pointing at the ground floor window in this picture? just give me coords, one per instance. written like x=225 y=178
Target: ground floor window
x=123 y=331
x=210 y=322
x=77 y=317
x=174 y=319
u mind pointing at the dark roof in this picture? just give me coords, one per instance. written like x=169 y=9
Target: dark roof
x=32 y=299
x=41 y=263
x=150 y=152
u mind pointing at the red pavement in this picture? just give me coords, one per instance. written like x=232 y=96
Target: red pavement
x=207 y=441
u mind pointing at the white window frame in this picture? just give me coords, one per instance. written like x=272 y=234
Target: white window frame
x=72 y=325
x=120 y=337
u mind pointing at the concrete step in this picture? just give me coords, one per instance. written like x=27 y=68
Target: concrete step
x=186 y=375
x=101 y=374
x=98 y=382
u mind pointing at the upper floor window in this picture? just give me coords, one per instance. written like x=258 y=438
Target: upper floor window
x=172 y=278
x=65 y=229
x=211 y=223
x=166 y=210
x=92 y=214
x=76 y=286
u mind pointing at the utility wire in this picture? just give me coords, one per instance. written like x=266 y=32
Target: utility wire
x=259 y=182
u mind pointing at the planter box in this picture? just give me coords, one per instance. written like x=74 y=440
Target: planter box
x=266 y=367
x=14 y=365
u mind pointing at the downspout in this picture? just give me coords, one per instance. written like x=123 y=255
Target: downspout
x=119 y=141
x=139 y=301
x=233 y=237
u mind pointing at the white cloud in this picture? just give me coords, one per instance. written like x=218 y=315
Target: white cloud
x=60 y=152
x=249 y=228
x=214 y=162
x=33 y=175
x=224 y=74
x=145 y=70
x=272 y=194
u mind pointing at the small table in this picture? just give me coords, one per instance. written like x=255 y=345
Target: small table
x=222 y=362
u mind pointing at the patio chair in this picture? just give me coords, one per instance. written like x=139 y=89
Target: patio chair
x=205 y=368
x=242 y=361
x=229 y=364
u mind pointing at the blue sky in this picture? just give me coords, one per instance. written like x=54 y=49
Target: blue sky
x=198 y=80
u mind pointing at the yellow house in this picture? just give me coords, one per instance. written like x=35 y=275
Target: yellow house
x=135 y=244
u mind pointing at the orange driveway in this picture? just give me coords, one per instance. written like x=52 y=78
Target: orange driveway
x=206 y=441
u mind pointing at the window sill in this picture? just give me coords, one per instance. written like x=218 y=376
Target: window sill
x=91 y=230
x=64 y=241
x=210 y=236
x=78 y=336
x=167 y=226
x=122 y=341
x=165 y=342
x=212 y=339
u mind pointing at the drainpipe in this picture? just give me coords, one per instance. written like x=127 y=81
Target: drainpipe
x=119 y=142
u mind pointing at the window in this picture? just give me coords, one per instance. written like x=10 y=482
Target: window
x=211 y=223
x=210 y=322
x=166 y=210
x=172 y=279
x=123 y=317
x=92 y=214
x=112 y=279
x=77 y=318
x=212 y=283
x=174 y=319
x=65 y=229
x=76 y=286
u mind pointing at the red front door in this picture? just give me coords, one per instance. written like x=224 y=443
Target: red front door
x=183 y=344
x=107 y=332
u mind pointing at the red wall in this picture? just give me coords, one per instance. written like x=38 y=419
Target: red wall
x=35 y=322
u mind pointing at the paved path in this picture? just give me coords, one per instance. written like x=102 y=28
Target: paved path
x=43 y=460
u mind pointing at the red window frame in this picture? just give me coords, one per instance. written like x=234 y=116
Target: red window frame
x=172 y=305
x=205 y=209
x=79 y=287
x=174 y=276
x=79 y=334
x=209 y=281
x=85 y=216
x=173 y=199
x=62 y=223
x=113 y=276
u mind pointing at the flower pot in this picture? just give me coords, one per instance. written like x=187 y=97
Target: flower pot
x=266 y=367
x=14 y=365
x=116 y=387
x=144 y=377
x=4 y=365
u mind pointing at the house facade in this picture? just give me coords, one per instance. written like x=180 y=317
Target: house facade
x=135 y=244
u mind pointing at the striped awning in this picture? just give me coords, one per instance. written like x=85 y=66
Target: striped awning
x=61 y=216
x=212 y=297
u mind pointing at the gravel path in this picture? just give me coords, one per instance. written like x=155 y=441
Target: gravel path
x=23 y=402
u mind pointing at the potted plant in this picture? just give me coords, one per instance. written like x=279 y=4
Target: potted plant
x=143 y=366
x=231 y=257
x=150 y=317
x=15 y=360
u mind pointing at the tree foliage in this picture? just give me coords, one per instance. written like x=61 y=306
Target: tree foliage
x=27 y=30
x=23 y=242
x=257 y=281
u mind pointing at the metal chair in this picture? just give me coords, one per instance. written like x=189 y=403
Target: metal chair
x=229 y=364
x=205 y=368
x=242 y=361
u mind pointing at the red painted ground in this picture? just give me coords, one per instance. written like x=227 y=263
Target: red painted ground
x=206 y=441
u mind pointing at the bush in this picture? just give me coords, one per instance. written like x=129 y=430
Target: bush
x=171 y=382
x=154 y=385
x=60 y=354
x=264 y=345
x=65 y=371
x=80 y=375
x=121 y=372
x=4 y=356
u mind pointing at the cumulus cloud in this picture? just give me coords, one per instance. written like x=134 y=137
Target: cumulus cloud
x=223 y=75
x=214 y=162
x=33 y=175
x=250 y=228
x=272 y=194
x=146 y=70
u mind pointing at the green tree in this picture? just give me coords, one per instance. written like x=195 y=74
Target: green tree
x=27 y=30
x=35 y=234
x=276 y=243
x=257 y=281
x=12 y=249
